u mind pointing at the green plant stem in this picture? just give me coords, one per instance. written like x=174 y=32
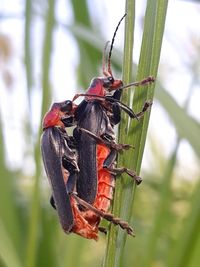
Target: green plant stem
x=162 y=210
x=112 y=252
x=162 y=215
x=181 y=254
x=27 y=46
x=135 y=132
x=35 y=209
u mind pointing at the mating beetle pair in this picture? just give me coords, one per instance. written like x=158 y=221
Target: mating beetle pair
x=81 y=168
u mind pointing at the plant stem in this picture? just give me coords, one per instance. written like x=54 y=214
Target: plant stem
x=113 y=250
x=135 y=132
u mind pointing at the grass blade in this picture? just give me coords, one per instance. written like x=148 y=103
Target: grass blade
x=182 y=251
x=162 y=211
x=112 y=253
x=148 y=65
x=8 y=253
x=27 y=44
x=8 y=207
x=185 y=125
x=89 y=55
x=35 y=209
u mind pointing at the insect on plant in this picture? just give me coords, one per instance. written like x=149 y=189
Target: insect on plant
x=82 y=168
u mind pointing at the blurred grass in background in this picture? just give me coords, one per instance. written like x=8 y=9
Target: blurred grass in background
x=166 y=207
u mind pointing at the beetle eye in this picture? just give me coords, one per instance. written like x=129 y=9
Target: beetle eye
x=111 y=79
x=107 y=82
x=67 y=106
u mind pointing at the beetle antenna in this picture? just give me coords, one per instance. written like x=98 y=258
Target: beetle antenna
x=104 y=58
x=112 y=43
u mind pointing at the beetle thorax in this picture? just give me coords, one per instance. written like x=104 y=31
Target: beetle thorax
x=96 y=87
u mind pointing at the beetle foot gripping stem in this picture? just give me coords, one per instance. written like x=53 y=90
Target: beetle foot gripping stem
x=109 y=143
x=146 y=106
x=103 y=230
x=121 y=147
x=149 y=79
x=118 y=171
x=145 y=81
x=107 y=216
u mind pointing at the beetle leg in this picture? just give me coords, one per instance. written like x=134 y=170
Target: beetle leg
x=117 y=94
x=103 y=230
x=115 y=102
x=145 y=81
x=116 y=111
x=118 y=171
x=107 y=216
x=116 y=114
x=108 y=162
x=146 y=106
x=52 y=202
x=107 y=142
x=109 y=99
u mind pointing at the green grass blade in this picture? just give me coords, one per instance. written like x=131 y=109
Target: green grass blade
x=148 y=65
x=27 y=45
x=28 y=63
x=186 y=126
x=49 y=241
x=8 y=200
x=8 y=253
x=193 y=259
x=182 y=251
x=89 y=55
x=161 y=218
x=35 y=209
x=46 y=59
x=112 y=252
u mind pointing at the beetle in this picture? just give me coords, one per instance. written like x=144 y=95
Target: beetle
x=96 y=117
x=60 y=161
x=97 y=152
x=98 y=113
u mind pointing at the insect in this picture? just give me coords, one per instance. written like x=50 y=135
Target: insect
x=60 y=161
x=96 y=117
x=81 y=169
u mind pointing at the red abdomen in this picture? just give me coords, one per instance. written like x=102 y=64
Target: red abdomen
x=106 y=181
x=86 y=222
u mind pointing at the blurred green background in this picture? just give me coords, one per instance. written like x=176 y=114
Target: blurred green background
x=48 y=50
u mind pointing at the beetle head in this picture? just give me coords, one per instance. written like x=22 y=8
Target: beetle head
x=101 y=86
x=58 y=111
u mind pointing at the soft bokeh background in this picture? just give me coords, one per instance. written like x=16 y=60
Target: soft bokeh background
x=48 y=51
